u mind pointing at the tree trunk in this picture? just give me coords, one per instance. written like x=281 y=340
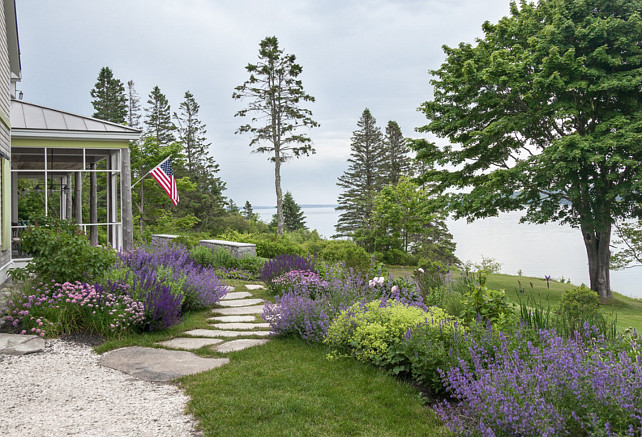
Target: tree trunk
x=599 y=257
x=279 y=193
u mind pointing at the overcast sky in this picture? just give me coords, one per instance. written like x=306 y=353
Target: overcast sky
x=354 y=54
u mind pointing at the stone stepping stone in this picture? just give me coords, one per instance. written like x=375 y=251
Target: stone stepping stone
x=232 y=319
x=257 y=309
x=159 y=365
x=242 y=326
x=239 y=302
x=237 y=295
x=18 y=344
x=214 y=333
x=238 y=345
x=189 y=343
x=229 y=288
x=254 y=287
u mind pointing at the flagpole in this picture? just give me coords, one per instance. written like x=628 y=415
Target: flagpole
x=151 y=171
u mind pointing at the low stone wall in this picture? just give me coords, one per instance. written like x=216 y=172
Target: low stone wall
x=236 y=249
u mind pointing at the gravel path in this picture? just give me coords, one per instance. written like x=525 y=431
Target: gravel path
x=63 y=391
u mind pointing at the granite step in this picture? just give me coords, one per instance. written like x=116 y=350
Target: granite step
x=238 y=345
x=237 y=311
x=189 y=343
x=254 y=287
x=239 y=302
x=218 y=333
x=237 y=295
x=232 y=319
x=241 y=326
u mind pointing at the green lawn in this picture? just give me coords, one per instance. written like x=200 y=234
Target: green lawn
x=289 y=388
x=627 y=309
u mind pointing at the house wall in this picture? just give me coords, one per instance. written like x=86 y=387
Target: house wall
x=5 y=148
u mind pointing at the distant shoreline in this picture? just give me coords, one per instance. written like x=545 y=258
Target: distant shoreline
x=305 y=206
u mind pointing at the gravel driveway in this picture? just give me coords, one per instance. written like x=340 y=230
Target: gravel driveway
x=63 y=391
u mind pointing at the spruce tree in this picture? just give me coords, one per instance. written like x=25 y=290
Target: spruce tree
x=133 y=107
x=109 y=100
x=207 y=201
x=248 y=212
x=397 y=161
x=276 y=94
x=362 y=181
x=293 y=218
x=158 y=118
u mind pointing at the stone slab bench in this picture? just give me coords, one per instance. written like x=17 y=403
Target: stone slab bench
x=236 y=249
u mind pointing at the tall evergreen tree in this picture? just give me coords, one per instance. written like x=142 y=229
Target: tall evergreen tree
x=276 y=95
x=207 y=201
x=158 y=118
x=362 y=180
x=109 y=100
x=133 y=106
x=293 y=218
x=248 y=212
x=397 y=161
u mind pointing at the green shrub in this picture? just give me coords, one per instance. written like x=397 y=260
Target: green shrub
x=579 y=303
x=62 y=252
x=337 y=251
x=491 y=305
x=215 y=258
x=371 y=333
x=252 y=264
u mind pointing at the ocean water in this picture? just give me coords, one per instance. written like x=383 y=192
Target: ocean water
x=536 y=250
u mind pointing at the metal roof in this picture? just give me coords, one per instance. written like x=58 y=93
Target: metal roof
x=34 y=121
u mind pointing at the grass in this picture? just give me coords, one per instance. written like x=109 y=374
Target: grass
x=289 y=388
x=628 y=310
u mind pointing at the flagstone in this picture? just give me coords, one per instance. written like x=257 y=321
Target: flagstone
x=257 y=309
x=214 y=333
x=238 y=345
x=242 y=326
x=229 y=288
x=254 y=287
x=160 y=365
x=189 y=343
x=239 y=302
x=232 y=319
x=237 y=295
x=17 y=344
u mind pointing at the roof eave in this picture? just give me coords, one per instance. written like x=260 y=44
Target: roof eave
x=46 y=134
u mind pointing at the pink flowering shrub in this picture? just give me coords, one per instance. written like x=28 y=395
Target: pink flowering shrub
x=53 y=309
x=295 y=279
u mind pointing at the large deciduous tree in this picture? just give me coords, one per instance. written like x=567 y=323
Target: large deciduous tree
x=363 y=179
x=109 y=100
x=544 y=113
x=275 y=96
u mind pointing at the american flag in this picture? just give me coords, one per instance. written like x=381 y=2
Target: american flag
x=165 y=177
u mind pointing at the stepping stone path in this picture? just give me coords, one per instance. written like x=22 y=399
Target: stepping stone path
x=238 y=318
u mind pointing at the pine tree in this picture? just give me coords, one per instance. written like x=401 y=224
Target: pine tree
x=158 y=118
x=207 y=201
x=276 y=95
x=110 y=102
x=362 y=180
x=133 y=107
x=398 y=162
x=293 y=218
x=248 y=212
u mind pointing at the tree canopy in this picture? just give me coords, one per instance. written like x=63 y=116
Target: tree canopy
x=544 y=114
x=109 y=100
x=275 y=96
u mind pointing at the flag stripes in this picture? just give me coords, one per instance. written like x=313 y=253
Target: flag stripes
x=164 y=175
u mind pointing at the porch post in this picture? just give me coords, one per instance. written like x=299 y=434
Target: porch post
x=68 y=203
x=78 y=197
x=93 y=204
x=126 y=201
x=14 y=197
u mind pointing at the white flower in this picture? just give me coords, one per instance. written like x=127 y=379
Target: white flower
x=420 y=270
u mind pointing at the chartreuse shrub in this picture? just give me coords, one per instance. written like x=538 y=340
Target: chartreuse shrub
x=372 y=332
x=62 y=252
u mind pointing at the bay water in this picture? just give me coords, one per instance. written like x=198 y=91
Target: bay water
x=535 y=250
